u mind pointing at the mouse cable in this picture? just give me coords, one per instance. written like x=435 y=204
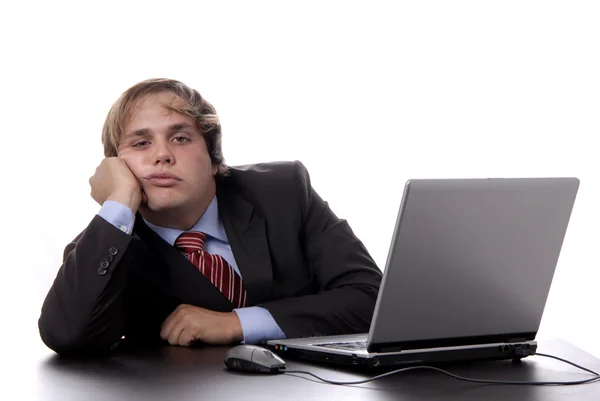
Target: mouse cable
x=534 y=383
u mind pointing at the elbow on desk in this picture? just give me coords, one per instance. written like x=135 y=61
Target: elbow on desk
x=72 y=343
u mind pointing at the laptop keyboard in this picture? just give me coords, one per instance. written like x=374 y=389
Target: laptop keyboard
x=349 y=345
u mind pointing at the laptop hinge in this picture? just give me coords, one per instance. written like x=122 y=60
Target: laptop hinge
x=516 y=340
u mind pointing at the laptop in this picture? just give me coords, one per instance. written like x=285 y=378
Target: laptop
x=467 y=276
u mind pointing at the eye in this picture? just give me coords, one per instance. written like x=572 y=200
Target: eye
x=181 y=139
x=140 y=144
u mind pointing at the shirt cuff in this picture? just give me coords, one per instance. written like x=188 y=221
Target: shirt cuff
x=118 y=215
x=258 y=325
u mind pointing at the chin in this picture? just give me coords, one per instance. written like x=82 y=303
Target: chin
x=162 y=204
x=157 y=207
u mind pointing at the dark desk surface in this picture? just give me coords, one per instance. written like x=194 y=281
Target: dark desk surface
x=175 y=373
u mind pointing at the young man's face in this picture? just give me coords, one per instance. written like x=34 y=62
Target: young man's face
x=168 y=155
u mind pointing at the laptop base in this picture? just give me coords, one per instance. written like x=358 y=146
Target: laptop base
x=490 y=352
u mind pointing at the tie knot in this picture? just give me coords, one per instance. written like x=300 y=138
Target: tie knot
x=191 y=241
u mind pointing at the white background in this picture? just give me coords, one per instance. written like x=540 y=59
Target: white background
x=366 y=93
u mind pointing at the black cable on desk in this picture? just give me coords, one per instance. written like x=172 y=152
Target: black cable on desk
x=530 y=383
x=565 y=361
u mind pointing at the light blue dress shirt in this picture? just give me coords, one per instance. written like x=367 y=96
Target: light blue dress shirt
x=257 y=323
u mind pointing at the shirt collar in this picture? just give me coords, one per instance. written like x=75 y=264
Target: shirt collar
x=209 y=223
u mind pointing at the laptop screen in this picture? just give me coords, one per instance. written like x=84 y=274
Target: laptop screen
x=471 y=261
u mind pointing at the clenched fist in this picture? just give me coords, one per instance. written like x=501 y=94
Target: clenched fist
x=188 y=323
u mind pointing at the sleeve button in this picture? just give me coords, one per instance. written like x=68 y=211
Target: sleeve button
x=113 y=251
x=104 y=264
x=101 y=271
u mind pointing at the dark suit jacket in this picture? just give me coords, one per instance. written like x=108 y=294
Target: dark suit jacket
x=297 y=259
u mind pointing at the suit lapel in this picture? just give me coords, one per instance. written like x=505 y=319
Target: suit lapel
x=246 y=232
x=182 y=280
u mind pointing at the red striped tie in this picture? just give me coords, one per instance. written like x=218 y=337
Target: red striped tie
x=214 y=267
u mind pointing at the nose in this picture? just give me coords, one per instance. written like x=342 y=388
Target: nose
x=163 y=153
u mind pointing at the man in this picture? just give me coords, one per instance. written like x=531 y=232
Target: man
x=186 y=249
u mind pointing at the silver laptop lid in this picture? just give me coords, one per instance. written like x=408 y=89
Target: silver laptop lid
x=471 y=261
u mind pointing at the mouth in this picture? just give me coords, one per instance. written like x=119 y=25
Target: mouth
x=162 y=179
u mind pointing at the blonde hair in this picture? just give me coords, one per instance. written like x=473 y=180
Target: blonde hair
x=195 y=106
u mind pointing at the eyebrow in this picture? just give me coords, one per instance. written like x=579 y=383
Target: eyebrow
x=137 y=133
x=180 y=126
x=171 y=128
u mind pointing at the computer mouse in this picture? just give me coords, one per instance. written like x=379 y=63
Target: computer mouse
x=253 y=358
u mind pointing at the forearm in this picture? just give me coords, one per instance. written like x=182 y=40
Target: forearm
x=343 y=310
x=82 y=312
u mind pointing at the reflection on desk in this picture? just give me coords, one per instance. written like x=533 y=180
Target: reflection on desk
x=199 y=373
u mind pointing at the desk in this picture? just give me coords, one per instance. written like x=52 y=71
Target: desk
x=176 y=373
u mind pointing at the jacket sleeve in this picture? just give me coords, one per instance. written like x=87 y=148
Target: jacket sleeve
x=347 y=278
x=82 y=312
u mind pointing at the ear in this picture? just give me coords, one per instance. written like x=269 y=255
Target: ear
x=215 y=168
